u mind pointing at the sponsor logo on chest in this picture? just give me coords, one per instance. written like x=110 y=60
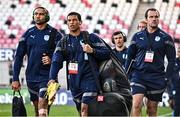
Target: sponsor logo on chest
x=157 y=38
x=46 y=37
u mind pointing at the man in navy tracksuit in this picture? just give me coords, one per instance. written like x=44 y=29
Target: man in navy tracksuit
x=149 y=48
x=81 y=78
x=175 y=87
x=35 y=44
x=118 y=39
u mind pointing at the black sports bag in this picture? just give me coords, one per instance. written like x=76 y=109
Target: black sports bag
x=18 y=108
x=115 y=97
x=109 y=104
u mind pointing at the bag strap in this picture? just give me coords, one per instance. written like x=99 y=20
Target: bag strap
x=51 y=42
x=18 y=92
x=129 y=67
x=65 y=54
x=64 y=46
x=86 y=37
x=87 y=41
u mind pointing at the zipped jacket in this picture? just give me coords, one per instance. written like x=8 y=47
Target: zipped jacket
x=76 y=54
x=158 y=42
x=34 y=43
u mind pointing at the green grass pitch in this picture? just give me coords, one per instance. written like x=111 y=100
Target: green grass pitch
x=69 y=111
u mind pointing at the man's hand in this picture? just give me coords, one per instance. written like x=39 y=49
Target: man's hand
x=46 y=59
x=53 y=87
x=16 y=86
x=51 y=81
x=87 y=48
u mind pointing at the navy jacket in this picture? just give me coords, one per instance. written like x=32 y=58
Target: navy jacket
x=34 y=43
x=122 y=55
x=161 y=44
x=175 y=82
x=174 y=89
x=75 y=53
x=177 y=69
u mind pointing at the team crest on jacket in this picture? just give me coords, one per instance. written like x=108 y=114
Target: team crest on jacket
x=46 y=37
x=157 y=38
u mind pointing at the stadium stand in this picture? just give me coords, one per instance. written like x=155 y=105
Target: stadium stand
x=100 y=16
x=170 y=17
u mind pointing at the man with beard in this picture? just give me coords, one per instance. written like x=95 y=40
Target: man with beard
x=35 y=44
x=149 y=79
x=81 y=78
x=118 y=39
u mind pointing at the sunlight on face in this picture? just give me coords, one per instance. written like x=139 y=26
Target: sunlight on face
x=73 y=23
x=153 y=19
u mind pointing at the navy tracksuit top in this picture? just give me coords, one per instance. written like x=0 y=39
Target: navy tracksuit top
x=34 y=43
x=177 y=69
x=75 y=53
x=161 y=44
x=175 y=83
x=122 y=55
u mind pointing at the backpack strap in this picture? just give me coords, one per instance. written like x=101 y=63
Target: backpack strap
x=51 y=42
x=64 y=46
x=64 y=51
x=86 y=37
x=87 y=41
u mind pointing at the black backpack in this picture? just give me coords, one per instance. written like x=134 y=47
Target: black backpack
x=18 y=108
x=113 y=84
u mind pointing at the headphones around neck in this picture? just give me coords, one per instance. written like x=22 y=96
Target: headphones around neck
x=47 y=17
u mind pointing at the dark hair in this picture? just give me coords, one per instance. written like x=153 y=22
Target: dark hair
x=150 y=9
x=117 y=33
x=75 y=13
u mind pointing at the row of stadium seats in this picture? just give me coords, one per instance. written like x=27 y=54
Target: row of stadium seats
x=100 y=16
x=169 y=16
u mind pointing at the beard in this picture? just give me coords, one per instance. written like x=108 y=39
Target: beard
x=154 y=27
x=40 y=22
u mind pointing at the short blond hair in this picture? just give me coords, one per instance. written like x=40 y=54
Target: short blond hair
x=142 y=22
